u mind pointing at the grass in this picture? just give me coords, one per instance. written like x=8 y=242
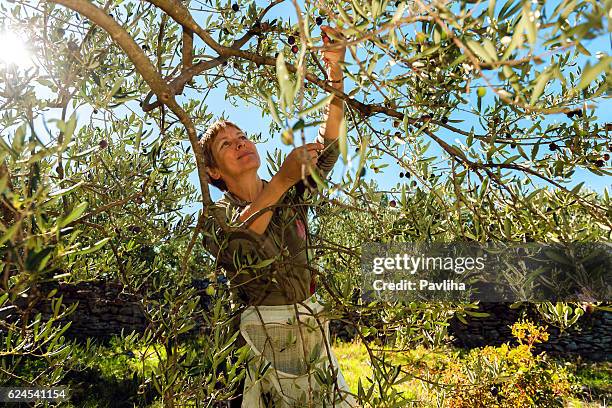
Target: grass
x=599 y=378
x=355 y=364
x=596 y=378
x=354 y=361
x=417 y=363
x=114 y=362
x=111 y=372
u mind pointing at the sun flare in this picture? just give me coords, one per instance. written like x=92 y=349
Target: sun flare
x=14 y=50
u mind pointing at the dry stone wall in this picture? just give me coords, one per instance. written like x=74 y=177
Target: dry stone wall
x=105 y=309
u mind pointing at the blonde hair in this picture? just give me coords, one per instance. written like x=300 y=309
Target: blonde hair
x=206 y=142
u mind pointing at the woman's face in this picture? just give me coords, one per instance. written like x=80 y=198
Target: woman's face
x=234 y=154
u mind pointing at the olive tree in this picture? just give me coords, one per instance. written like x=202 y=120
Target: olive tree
x=488 y=110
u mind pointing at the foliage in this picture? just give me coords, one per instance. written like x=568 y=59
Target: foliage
x=98 y=139
x=508 y=376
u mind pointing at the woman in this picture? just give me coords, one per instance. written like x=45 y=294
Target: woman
x=274 y=293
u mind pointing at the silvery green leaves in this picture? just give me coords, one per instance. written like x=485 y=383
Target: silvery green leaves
x=273 y=110
x=342 y=140
x=592 y=72
x=288 y=88
x=540 y=84
x=17 y=145
x=317 y=105
x=485 y=49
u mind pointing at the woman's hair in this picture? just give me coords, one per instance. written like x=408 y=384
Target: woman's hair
x=206 y=141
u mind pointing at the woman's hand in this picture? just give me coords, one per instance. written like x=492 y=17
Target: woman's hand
x=290 y=171
x=332 y=56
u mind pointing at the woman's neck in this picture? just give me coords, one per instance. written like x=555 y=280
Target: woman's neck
x=247 y=188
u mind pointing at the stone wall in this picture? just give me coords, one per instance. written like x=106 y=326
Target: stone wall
x=105 y=310
x=590 y=337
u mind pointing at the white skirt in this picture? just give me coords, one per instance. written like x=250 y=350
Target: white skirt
x=290 y=358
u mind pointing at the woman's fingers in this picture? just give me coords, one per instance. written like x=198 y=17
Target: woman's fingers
x=313 y=162
x=312 y=155
x=334 y=32
x=304 y=155
x=332 y=56
x=328 y=35
x=314 y=146
x=308 y=154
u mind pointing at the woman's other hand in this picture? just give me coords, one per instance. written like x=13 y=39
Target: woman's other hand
x=332 y=56
x=290 y=171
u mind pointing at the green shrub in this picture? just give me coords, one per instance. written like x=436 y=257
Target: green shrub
x=508 y=376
